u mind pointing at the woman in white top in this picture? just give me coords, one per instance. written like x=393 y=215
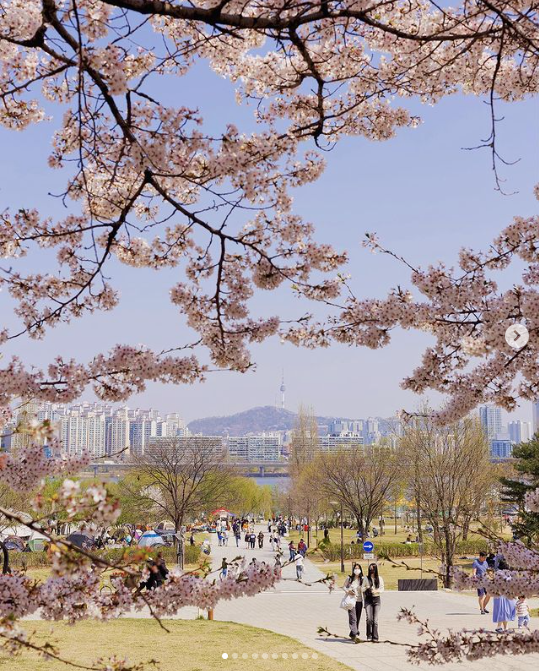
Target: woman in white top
x=373 y=586
x=298 y=559
x=352 y=586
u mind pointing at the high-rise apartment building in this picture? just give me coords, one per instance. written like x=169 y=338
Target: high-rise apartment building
x=117 y=432
x=519 y=432
x=501 y=449
x=212 y=446
x=491 y=420
x=342 y=442
x=100 y=428
x=253 y=448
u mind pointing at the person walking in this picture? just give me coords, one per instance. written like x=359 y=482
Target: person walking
x=523 y=612
x=302 y=547
x=261 y=540
x=503 y=609
x=278 y=567
x=253 y=540
x=271 y=540
x=480 y=567
x=353 y=587
x=247 y=540
x=372 y=588
x=224 y=569
x=298 y=560
x=291 y=551
x=237 y=536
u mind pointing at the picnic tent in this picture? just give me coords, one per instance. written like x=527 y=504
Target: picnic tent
x=222 y=513
x=82 y=539
x=149 y=539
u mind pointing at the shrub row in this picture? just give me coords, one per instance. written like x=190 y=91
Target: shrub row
x=41 y=559
x=332 y=551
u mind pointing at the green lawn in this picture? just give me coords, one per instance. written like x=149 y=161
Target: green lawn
x=350 y=534
x=391 y=573
x=191 y=645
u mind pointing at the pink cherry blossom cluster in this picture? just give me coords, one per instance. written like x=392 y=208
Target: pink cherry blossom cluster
x=457 y=646
x=94 y=504
x=25 y=468
x=470 y=361
x=510 y=583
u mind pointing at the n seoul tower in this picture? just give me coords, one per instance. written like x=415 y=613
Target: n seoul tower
x=283 y=389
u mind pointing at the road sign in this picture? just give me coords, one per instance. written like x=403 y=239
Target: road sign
x=368 y=555
x=368 y=546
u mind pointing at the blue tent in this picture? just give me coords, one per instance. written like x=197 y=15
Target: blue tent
x=149 y=539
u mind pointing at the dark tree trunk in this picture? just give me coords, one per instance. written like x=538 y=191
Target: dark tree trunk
x=448 y=553
x=466 y=529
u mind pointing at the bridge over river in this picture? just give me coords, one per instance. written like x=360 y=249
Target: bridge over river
x=253 y=469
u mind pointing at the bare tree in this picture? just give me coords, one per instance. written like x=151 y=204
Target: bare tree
x=304 y=444
x=307 y=498
x=452 y=473
x=179 y=478
x=360 y=479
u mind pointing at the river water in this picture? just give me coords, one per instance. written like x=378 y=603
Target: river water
x=280 y=483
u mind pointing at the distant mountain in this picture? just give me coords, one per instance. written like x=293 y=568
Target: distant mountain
x=264 y=419
x=256 y=420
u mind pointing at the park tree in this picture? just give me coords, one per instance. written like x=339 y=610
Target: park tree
x=244 y=496
x=453 y=466
x=525 y=480
x=178 y=479
x=304 y=444
x=149 y=185
x=360 y=479
x=308 y=500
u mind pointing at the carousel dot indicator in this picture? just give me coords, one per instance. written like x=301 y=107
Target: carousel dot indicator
x=304 y=655
x=315 y=655
x=224 y=655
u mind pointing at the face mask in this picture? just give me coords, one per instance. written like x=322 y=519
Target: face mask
x=356 y=571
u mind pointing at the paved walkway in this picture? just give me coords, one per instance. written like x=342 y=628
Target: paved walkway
x=297 y=610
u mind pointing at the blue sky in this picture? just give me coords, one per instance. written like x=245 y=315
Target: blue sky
x=421 y=192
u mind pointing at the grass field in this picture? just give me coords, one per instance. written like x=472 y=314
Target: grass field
x=391 y=573
x=350 y=534
x=190 y=646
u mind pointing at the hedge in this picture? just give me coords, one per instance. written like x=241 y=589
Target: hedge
x=332 y=551
x=41 y=559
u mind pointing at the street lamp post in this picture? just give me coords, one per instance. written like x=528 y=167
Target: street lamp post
x=336 y=503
